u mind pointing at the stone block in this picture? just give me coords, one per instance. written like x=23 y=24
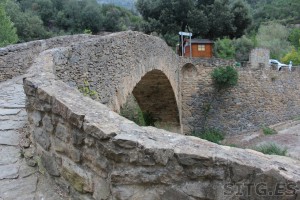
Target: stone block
x=49 y=162
x=47 y=124
x=62 y=132
x=35 y=118
x=101 y=189
x=42 y=137
x=81 y=179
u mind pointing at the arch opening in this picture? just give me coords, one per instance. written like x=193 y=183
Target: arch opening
x=153 y=98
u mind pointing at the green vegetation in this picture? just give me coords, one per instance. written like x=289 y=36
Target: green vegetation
x=208 y=19
x=293 y=56
x=210 y=134
x=39 y=19
x=7 y=31
x=223 y=48
x=271 y=149
x=268 y=131
x=224 y=77
x=87 y=91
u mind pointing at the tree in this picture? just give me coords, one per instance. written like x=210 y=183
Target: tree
x=8 y=33
x=294 y=37
x=243 y=47
x=223 y=48
x=293 y=56
x=210 y=19
x=274 y=36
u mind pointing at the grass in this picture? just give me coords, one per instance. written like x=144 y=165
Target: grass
x=210 y=134
x=271 y=149
x=268 y=131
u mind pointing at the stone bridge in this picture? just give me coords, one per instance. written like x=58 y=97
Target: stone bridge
x=94 y=153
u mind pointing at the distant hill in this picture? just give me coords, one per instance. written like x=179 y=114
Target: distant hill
x=129 y=4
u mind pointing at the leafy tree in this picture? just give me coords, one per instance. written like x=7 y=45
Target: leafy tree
x=210 y=19
x=274 y=37
x=29 y=26
x=294 y=38
x=7 y=30
x=293 y=56
x=223 y=48
x=243 y=47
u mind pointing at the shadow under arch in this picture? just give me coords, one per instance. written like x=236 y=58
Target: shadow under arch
x=155 y=97
x=189 y=70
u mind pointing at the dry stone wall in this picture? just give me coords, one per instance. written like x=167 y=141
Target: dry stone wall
x=16 y=59
x=94 y=153
x=262 y=97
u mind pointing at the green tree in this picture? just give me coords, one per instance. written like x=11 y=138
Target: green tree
x=210 y=19
x=243 y=47
x=293 y=56
x=294 y=37
x=8 y=33
x=224 y=48
x=274 y=36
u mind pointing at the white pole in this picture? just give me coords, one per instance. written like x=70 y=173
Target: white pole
x=190 y=46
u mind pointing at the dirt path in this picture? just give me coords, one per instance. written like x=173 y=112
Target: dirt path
x=288 y=136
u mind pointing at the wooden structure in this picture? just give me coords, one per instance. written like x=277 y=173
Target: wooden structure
x=202 y=48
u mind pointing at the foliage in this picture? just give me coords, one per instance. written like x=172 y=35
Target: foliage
x=203 y=18
x=29 y=26
x=243 y=47
x=87 y=91
x=210 y=134
x=149 y=119
x=268 y=131
x=274 y=37
x=293 y=56
x=223 y=48
x=39 y=19
x=224 y=77
x=271 y=149
x=7 y=30
x=294 y=38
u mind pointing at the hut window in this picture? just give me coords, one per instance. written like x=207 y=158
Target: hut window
x=201 y=47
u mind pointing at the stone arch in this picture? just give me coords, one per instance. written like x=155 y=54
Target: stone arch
x=189 y=71
x=155 y=95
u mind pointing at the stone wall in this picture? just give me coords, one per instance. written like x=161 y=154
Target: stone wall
x=94 y=153
x=262 y=97
x=16 y=59
x=259 y=57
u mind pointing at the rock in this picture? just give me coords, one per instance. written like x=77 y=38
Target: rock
x=102 y=189
x=48 y=161
x=9 y=138
x=9 y=171
x=9 y=111
x=9 y=155
x=25 y=142
x=31 y=162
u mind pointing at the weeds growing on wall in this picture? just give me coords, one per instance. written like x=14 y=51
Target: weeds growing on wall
x=223 y=78
x=87 y=91
x=210 y=134
x=271 y=149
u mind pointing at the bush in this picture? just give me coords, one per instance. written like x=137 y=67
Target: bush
x=243 y=46
x=293 y=56
x=224 y=77
x=268 y=130
x=210 y=134
x=223 y=48
x=271 y=149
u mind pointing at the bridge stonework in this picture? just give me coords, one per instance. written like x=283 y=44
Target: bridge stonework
x=97 y=154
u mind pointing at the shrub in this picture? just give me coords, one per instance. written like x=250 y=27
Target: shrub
x=293 y=56
x=268 y=130
x=223 y=48
x=210 y=134
x=271 y=149
x=224 y=77
x=243 y=46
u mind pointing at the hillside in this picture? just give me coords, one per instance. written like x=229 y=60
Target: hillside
x=129 y=4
